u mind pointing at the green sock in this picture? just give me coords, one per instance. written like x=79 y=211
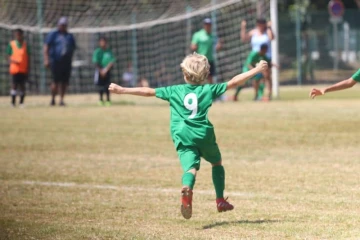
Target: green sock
x=261 y=90
x=188 y=179
x=238 y=89
x=218 y=176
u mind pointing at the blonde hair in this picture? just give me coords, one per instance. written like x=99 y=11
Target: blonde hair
x=195 y=68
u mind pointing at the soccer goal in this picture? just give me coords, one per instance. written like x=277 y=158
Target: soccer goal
x=151 y=36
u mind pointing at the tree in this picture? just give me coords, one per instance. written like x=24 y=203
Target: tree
x=317 y=5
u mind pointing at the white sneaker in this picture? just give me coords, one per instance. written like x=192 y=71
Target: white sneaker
x=21 y=105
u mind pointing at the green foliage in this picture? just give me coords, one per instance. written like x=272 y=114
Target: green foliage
x=301 y=8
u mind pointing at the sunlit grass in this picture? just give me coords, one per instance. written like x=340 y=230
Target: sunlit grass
x=292 y=170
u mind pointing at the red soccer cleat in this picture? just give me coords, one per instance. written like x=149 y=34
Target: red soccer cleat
x=186 y=202
x=265 y=99
x=223 y=205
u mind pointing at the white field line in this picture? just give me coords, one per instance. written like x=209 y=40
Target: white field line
x=129 y=188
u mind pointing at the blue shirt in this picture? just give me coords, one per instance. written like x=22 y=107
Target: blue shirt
x=61 y=46
x=258 y=40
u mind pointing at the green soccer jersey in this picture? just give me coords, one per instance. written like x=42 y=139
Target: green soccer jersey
x=103 y=57
x=253 y=58
x=356 y=76
x=205 y=44
x=189 y=105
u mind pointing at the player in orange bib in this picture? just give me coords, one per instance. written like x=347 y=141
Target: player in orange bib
x=18 y=53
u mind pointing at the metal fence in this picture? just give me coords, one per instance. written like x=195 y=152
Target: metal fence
x=307 y=51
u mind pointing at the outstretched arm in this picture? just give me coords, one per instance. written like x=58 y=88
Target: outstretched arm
x=244 y=35
x=138 y=91
x=242 y=78
x=348 y=83
x=269 y=31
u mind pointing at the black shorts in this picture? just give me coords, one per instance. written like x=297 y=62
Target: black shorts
x=212 y=69
x=61 y=72
x=19 y=78
x=102 y=82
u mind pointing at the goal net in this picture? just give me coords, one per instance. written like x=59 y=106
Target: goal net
x=152 y=36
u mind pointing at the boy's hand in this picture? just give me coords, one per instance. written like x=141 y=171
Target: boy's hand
x=262 y=66
x=316 y=92
x=114 y=88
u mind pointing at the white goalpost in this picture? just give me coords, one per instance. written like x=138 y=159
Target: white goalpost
x=275 y=46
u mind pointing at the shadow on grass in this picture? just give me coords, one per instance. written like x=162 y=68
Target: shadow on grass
x=260 y=221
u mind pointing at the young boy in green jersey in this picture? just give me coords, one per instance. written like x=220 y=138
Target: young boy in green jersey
x=104 y=61
x=191 y=131
x=347 y=83
x=253 y=58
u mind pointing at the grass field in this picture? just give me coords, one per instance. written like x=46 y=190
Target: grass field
x=89 y=172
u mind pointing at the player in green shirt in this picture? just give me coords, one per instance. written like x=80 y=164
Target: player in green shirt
x=104 y=61
x=251 y=61
x=348 y=83
x=191 y=131
x=203 y=43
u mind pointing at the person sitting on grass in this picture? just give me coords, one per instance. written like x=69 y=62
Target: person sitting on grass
x=253 y=58
x=192 y=133
x=104 y=61
x=347 y=83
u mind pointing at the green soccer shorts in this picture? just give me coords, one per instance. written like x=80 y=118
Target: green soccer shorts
x=257 y=77
x=190 y=155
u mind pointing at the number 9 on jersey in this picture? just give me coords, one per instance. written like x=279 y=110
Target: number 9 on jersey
x=191 y=103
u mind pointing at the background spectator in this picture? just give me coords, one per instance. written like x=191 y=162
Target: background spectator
x=203 y=43
x=19 y=59
x=250 y=63
x=103 y=59
x=58 y=52
x=163 y=76
x=143 y=82
x=128 y=79
x=261 y=34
